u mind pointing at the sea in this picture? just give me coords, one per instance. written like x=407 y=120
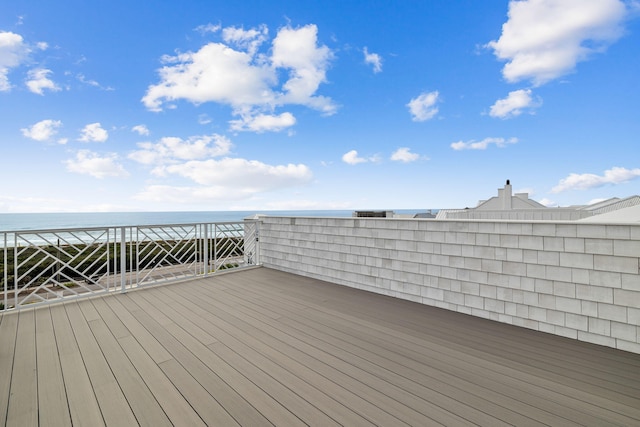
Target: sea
x=54 y=221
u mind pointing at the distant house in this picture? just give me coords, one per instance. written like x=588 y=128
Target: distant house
x=519 y=206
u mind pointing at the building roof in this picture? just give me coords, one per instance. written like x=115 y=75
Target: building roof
x=627 y=214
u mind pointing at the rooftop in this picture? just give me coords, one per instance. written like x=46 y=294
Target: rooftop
x=263 y=347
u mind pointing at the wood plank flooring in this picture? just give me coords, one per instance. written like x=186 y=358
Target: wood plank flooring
x=260 y=347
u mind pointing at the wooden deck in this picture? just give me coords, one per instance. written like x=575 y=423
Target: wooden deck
x=262 y=347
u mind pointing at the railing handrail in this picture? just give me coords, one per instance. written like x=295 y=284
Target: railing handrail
x=99 y=227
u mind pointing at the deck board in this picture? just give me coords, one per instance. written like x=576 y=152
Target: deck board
x=8 y=333
x=52 y=396
x=264 y=347
x=81 y=398
x=112 y=402
x=23 y=402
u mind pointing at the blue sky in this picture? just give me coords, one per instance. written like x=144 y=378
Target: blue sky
x=287 y=105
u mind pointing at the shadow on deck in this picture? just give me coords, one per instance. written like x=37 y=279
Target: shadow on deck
x=262 y=347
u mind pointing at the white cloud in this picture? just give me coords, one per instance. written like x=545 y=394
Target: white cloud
x=513 y=104
x=352 y=158
x=82 y=79
x=93 y=133
x=235 y=73
x=13 y=51
x=141 y=130
x=545 y=39
x=263 y=122
x=173 y=149
x=404 y=155
x=227 y=179
x=374 y=59
x=208 y=28
x=424 y=107
x=38 y=81
x=296 y=49
x=43 y=130
x=482 y=145
x=242 y=173
x=89 y=163
x=585 y=181
x=215 y=73
x=548 y=203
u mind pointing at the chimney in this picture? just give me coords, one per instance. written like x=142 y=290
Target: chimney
x=506 y=197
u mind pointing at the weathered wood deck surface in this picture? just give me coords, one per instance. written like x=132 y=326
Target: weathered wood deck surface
x=262 y=347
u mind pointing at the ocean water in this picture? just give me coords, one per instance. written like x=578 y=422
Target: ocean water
x=51 y=221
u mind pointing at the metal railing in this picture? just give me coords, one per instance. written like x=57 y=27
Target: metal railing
x=42 y=266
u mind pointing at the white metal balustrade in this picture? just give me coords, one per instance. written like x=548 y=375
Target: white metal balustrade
x=42 y=266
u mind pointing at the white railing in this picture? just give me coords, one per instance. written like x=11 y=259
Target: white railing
x=42 y=266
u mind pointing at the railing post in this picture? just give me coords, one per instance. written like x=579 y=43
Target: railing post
x=15 y=270
x=205 y=249
x=123 y=259
x=5 y=301
x=257 y=256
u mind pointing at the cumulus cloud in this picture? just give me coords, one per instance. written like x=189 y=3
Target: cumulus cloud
x=141 y=130
x=297 y=50
x=227 y=179
x=514 y=104
x=173 y=149
x=38 y=80
x=89 y=163
x=404 y=155
x=93 y=133
x=240 y=74
x=585 y=181
x=352 y=158
x=43 y=130
x=423 y=107
x=482 y=145
x=545 y=39
x=13 y=52
x=373 y=59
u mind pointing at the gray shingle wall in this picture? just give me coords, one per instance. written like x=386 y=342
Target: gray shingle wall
x=576 y=280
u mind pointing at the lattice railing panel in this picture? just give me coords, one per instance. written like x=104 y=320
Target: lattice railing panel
x=55 y=264
x=166 y=253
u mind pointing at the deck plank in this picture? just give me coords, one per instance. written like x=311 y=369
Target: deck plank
x=144 y=405
x=52 y=396
x=111 y=401
x=8 y=334
x=81 y=399
x=23 y=405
